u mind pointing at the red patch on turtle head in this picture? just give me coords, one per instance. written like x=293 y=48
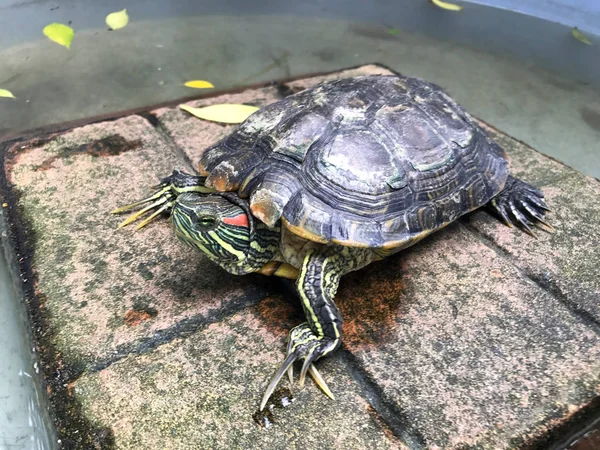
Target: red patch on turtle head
x=241 y=220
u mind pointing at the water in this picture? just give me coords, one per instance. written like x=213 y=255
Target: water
x=24 y=418
x=526 y=76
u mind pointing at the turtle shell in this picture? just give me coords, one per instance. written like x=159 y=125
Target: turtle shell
x=372 y=161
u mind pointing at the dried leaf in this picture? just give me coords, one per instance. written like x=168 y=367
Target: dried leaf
x=225 y=113
x=59 y=33
x=117 y=19
x=393 y=31
x=580 y=36
x=446 y=5
x=199 y=84
x=7 y=94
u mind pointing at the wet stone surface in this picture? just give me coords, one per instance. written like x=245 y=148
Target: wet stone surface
x=478 y=337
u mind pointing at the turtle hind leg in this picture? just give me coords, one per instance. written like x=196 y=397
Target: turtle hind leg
x=521 y=204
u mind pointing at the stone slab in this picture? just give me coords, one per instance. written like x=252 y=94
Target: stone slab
x=478 y=337
x=202 y=392
x=473 y=353
x=105 y=289
x=567 y=261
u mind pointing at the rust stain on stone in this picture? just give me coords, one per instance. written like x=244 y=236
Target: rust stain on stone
x=278 y=315
x=135 y=317
x=109 y=146
x=369 y=301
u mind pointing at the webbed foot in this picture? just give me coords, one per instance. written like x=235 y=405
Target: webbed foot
x=302 y=344
x=163 y=199
x=521 y=204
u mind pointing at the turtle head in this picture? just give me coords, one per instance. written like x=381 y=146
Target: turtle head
x=217 y=225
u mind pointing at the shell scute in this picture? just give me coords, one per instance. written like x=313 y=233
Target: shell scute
x=374 y=161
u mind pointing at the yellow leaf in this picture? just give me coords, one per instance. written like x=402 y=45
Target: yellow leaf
x=7 y=94
x=580 y=36
x=225 y=113
x=117 y=19
x=446 y=5
x=199 y=84
x=59 y=33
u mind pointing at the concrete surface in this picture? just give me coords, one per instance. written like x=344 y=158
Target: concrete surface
x=479 y=337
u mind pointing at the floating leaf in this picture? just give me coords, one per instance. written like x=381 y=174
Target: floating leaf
x=117 y=19
x=393 y=31
x=59 y=33
x=446 y=5
x=199 y=84
x=7 y=94
x=225 y=113
x=580 y=36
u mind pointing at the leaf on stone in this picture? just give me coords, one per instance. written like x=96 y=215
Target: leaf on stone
x=580 y=36
x=6 y=94
x=60 y=33
x=117 y=19
x=199 y=84
x=446 y=5
x=225 y=113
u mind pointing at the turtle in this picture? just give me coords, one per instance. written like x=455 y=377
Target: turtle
x=327 y=180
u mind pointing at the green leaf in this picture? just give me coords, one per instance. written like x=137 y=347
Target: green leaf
x=393 y=31
x=59 y=33
x=446 y=5
x=7 y=94
x=580 y=36
x=225 y=113
x=117 y=19
x=199 y=84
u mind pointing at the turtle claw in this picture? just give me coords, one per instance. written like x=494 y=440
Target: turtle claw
x=286 y=367
x=143 y=211
x=523 y=205
x=314 y=373
x=289 y=360
x=162 y=200
x=150 y=218
x=157 y=195
x=302 y=344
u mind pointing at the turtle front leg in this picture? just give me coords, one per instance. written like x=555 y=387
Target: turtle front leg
x=317 y=285
x=162 y=200
x=521 y=204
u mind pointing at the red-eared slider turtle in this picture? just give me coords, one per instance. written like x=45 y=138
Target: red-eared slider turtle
x=328 y=180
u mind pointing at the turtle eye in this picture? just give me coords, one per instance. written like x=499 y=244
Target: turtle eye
x=206 y=221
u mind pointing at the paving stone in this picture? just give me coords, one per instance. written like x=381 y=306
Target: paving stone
x=566 y=261
x=473 y=354
x=202 y=392
x=103 y=288
x=479 y=337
